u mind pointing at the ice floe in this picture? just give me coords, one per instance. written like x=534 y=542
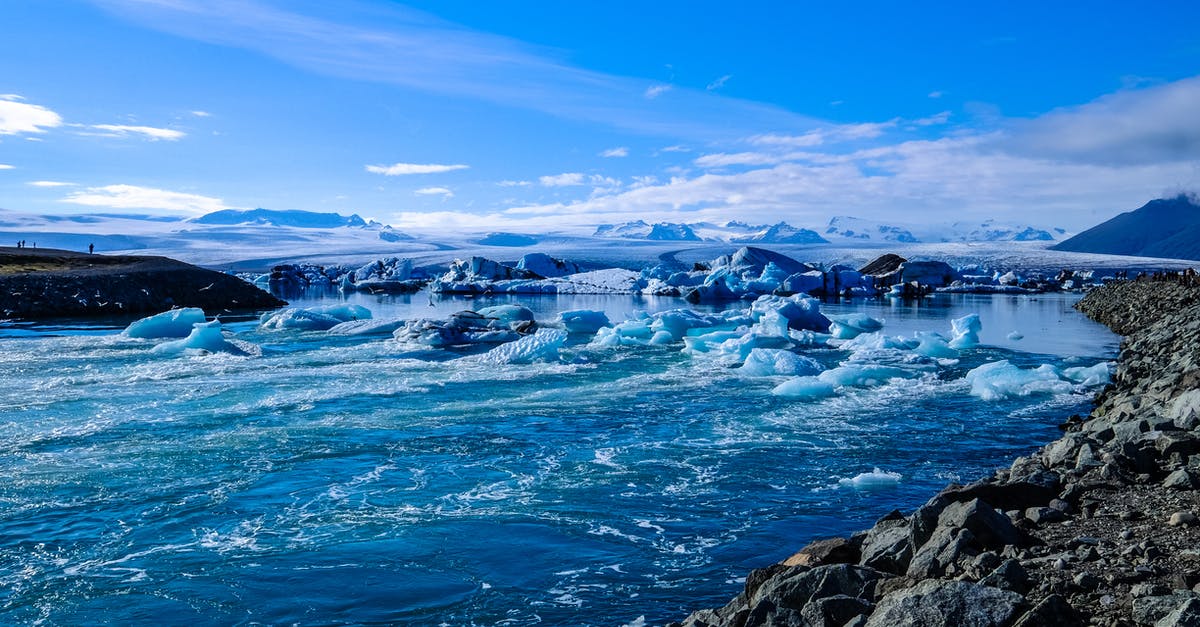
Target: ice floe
x=313 y=318
x=204 y=336
x=173 y=323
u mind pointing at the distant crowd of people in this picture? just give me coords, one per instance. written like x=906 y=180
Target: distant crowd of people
x=21 y=244
x=1187 y=277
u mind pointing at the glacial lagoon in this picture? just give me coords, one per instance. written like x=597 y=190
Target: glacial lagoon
x=328 y=479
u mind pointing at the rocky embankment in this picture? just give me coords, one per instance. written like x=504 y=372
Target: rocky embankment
x=1098 y=527
x=48 y=283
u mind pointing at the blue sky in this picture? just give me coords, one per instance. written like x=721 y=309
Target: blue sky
x=532 y=116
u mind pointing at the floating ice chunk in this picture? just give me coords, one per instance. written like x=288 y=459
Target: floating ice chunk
x=707 y=342
x=678 y=322
x=1001 y=379
x=875 y=479
x=344 y=312
x=866 y=375
x=583 y=320
x=541 y=346
x=313 y=318
x=934 y=345
x=804 y=388
x=547 y=266
x=174 y=323
x=852 y=325
x=1089 y=375
x=739 y=347
x=966 y=331
x=205 y=336
x=460 y=329
x=802 y=312
x=661 y=338
x=768 y=362
x=513 y=316
x=1016 y=335
x=367 y=327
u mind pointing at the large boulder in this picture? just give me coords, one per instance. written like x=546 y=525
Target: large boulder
x=936 y=603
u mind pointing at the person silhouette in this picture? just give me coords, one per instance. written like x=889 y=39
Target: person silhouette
x=91 y=249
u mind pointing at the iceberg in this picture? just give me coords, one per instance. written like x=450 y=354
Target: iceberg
x=461 y=329
x=865 y=375
x=1089 y=375
x=583 y=320
x=541 y=346
x=313 y=318
x=546 y=266
x=966 y=331
x=933 y=345
x=515 y=317
x=769 y=362
x=205 y=336
x=367 y=327
x=804 y=388
x=850 y=326
x=1001 y=379
x=174 y=323
x=803 y=313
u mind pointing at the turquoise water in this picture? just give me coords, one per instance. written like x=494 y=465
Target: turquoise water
x=345 y=480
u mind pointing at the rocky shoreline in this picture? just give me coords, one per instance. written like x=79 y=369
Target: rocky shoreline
x=1097 y=528
x=48 y=283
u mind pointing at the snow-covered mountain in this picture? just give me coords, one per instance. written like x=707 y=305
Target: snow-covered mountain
x=295 y=218
x=994 y=231
x=732 y=231
x=849 y=228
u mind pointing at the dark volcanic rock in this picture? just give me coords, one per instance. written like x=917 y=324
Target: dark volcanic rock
x=48 y=283
x=936 y=603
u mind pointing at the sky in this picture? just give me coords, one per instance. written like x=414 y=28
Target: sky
x=535 y=116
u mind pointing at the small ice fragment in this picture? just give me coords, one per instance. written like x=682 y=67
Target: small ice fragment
x=874 y=479
x=173 y=323
x=1016 y=335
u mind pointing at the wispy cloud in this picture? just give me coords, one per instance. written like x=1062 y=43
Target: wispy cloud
x=719 y=83
x=936 y=94
x=18 y=117
x=566 y=179
x=135 y=197
x=403 y=169
x=514 y=183
x=6 y=166
x=406 y=47
x=435 y=191
x=933 y=120
x=619 y=151
x=654 y=91
x=50 y=184
x=146 y=132
x=201 y=114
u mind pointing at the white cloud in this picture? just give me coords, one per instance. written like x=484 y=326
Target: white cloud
x=566 y=179
x=5 y=166
x=402 y=169
x=814 y=138
x=654 y=91
x=719 y=83
x=50 y=184
x=20 y=117
x=720 y=159
x=148 y=132
x=1158 y=124
x=933 y=120
x=936 y=94
x=619 y=151
x=514 y=183
x=675 y=148
x=201 y=114
x=135 y=197
x=444 y=192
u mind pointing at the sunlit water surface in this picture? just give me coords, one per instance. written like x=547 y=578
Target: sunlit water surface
x=334 y=480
